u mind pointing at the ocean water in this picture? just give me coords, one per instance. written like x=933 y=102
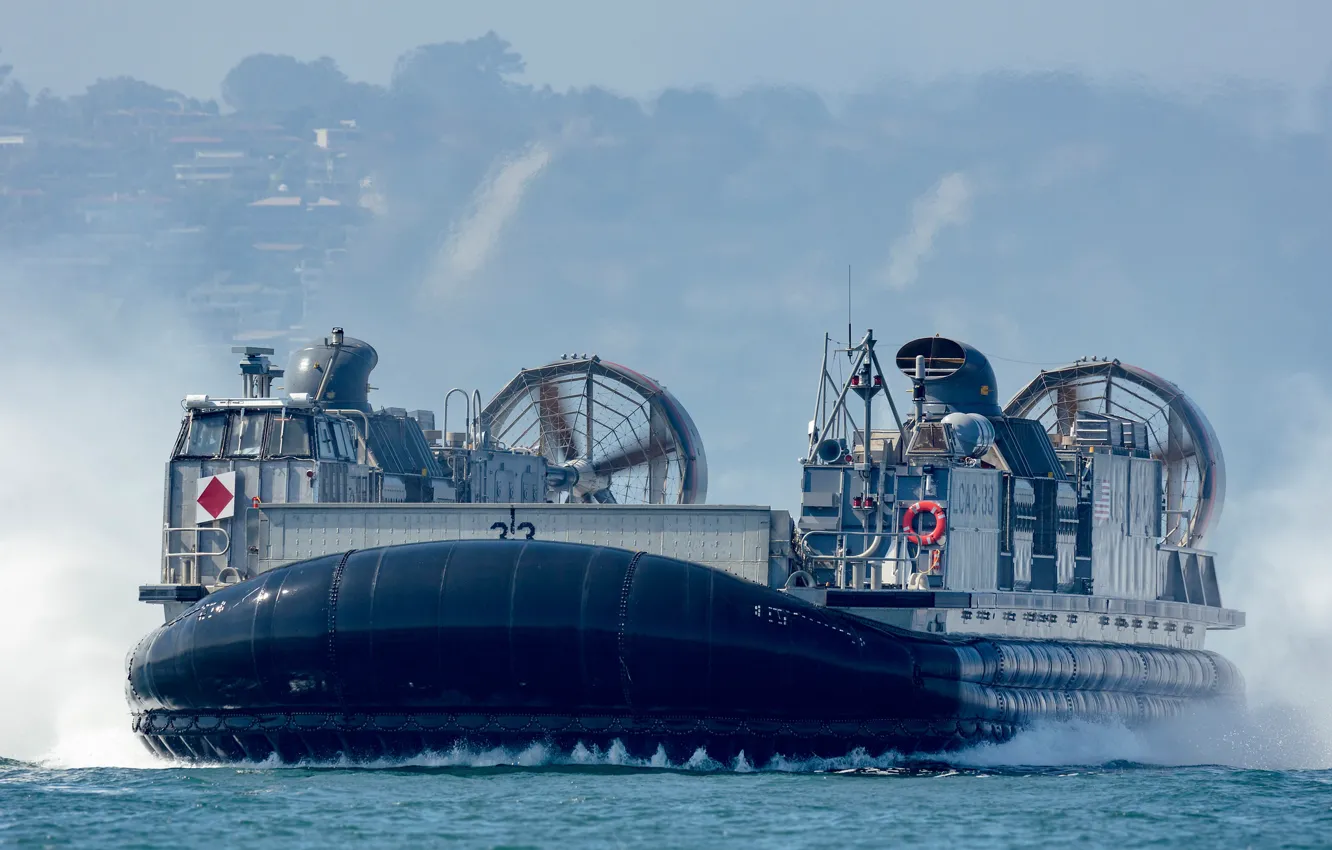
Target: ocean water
x=986 y=797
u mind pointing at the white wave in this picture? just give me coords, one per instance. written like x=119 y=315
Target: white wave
x=1202 y=736
x=541 y=755
x=1069 y=743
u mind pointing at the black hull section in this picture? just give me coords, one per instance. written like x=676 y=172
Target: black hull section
x=389 y=652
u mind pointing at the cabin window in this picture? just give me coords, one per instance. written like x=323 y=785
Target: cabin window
x=929 y=438
x=247 y=434
x=346 y=443
x=205 y=436
x=352 y=435
x=324 y=438
x=289 y=436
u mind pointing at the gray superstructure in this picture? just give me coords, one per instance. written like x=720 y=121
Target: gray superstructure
x=1068 y=514
x=346 y=582
x=1074 y=530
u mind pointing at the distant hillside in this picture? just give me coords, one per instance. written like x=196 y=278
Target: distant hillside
x=469 y=225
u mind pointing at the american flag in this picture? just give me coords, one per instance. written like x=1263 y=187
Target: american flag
x=1101 y=510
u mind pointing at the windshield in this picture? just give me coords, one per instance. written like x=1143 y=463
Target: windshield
x=205 y=436
x=289 y=436
x=247 y=434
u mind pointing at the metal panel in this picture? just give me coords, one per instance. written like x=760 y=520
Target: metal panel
x=972 y=543
x=820 y=523
x=1026 y=448
x=1124 y=564
x=1174 y=576
x=740 y=540
x=1045 y=536
x=1211 y=588
x=1144 y=508
x=1024 y=524
x=822 y=499
x=1109 y=488
x=182 y=514
x=1192 y=578
x=824 y=480
x=1066 y=533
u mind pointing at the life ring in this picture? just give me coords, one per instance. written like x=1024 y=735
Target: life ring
x=940 y=523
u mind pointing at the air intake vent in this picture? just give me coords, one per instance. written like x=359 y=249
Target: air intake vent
x=942 y=356
x=1100 y=429
x=958 y=378
x=1096 y=429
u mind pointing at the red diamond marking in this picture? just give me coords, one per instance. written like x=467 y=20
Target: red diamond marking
x=215 y=498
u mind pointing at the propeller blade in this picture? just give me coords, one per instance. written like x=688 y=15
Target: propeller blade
x=554 y=421
x=605 y=497
x=631 y=457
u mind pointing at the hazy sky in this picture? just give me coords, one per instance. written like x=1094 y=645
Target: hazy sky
x=642 y=46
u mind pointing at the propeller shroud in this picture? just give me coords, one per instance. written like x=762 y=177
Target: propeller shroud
x=617 y=435
x=1178 y=432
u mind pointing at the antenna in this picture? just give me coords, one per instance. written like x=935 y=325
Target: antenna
x=848 y=311
x=256 y=372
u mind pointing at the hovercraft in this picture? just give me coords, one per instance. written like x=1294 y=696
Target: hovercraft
x=345 y=582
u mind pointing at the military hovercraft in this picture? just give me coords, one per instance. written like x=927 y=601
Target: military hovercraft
x=345 y=582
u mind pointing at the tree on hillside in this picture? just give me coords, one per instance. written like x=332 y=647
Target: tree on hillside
x=456 y=71
x=605 y=110
x=460 y=93
x=271 y=85
x=113 y=93
x=51 y=111
x=785 y=107
x=690 y=110
x=13 y=97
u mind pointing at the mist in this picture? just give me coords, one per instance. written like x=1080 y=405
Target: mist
x=1279 y=547
x=93 y=395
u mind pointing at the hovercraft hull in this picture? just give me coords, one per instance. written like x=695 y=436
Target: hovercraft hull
x=394 y=651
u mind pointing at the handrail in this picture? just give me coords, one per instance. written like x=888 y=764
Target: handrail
x=196 y=529
x=818 y=556
x=168 y=555
x=476 y=419
x=467 y=411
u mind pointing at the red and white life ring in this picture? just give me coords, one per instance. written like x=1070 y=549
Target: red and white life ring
x=940 y=523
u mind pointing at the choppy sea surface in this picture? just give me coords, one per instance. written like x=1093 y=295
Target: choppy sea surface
x=538 y=798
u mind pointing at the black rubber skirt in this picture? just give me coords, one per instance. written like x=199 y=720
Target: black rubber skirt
x=394 y=651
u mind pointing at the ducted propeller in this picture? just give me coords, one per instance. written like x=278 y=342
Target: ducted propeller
x=609 y=434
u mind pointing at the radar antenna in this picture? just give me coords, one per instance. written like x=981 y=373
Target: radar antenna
x=609 y=434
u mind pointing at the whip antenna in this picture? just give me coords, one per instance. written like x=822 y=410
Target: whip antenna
x=848 y=311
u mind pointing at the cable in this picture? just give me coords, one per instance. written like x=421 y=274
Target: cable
x=1029 y=362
